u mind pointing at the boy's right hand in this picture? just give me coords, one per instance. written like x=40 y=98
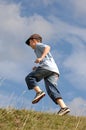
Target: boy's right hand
x=38 y=60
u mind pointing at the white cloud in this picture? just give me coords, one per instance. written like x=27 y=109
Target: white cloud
x=76 y=63
x=38 y=24
x=12 y=71
x=38 y=3
x=11 y=24
x=48 y=2
x=78 y=106
x=79 y=7
x=14 y=101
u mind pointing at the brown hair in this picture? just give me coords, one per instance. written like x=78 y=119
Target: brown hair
x=34 y=36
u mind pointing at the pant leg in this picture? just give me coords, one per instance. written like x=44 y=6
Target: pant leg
x=51 y=87
x=36 y=76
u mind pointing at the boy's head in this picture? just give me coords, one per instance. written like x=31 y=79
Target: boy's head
x=37 y=37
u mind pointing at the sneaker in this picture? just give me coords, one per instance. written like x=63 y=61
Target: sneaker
x=38 y=96
x=63 y=111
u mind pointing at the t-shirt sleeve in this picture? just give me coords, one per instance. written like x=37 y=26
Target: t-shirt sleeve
x=41 y=46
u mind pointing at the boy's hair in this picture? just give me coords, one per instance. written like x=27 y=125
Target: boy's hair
x=34 y=36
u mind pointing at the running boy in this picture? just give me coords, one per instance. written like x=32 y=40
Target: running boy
x=46 y=70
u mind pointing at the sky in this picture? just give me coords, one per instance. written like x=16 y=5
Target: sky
x=62 y=24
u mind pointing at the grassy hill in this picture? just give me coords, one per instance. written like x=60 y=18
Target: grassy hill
x=11 y=119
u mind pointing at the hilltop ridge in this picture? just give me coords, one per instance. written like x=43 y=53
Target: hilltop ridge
x=12 y=119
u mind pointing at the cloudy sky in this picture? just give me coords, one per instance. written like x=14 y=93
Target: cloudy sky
x=62 y=25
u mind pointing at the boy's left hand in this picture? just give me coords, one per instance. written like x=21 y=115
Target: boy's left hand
x=38 y=60
x=34 y=68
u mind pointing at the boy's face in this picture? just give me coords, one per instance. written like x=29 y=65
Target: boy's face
x=33 y=43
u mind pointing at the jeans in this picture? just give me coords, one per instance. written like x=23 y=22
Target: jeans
x=50 y=79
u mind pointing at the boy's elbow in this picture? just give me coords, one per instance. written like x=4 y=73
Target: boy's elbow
x=48 y=47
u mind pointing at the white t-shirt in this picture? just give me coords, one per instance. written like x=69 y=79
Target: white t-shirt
x=48 y=62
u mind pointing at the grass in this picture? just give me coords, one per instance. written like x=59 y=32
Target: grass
x=12 y=119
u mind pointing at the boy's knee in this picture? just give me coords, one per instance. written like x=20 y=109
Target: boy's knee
x=28 y=82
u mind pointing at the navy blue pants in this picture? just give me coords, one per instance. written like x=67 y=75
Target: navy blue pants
x=50 y=79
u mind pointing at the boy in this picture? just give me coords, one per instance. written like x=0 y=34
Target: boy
x=46 y=70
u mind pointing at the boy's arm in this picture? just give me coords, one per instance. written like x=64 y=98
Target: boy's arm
x=45 y=52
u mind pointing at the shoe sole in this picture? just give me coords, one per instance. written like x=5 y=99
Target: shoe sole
x=38 y=99
x=64 y=113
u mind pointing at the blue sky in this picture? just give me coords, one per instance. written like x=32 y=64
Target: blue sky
x=62 y=25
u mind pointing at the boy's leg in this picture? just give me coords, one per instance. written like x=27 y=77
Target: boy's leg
x=37 y=89
x=51 y=87
x=53 y=92
x=61 y=102
x=64 y=109
x=32 y=80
